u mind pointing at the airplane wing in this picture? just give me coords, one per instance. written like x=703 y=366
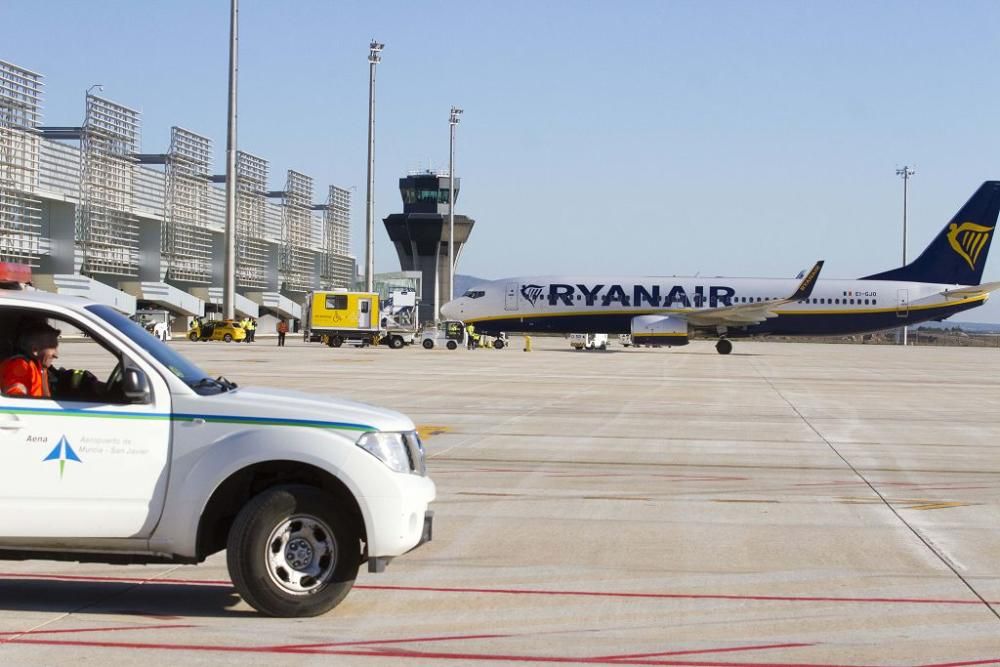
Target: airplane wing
x=971 y=291
x=754 y=313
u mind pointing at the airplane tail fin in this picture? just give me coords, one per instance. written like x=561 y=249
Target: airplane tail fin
x=957 y=255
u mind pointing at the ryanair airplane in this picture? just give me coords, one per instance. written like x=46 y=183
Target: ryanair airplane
x=945 y=279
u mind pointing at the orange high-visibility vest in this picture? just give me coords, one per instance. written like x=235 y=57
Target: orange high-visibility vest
x=21 y=376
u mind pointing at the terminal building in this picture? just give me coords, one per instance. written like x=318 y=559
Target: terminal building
x=421 y=233
x=94 y=216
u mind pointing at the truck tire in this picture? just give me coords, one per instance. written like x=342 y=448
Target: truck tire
x=396 y=342
x=498 y=344
x=291 y=553
x=334 y=341
x=452 y=345
x=428 y=344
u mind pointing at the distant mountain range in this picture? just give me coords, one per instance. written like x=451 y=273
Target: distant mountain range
x=463 y=283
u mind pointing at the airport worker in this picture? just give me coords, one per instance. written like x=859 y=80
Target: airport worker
x=27 y=373
x=470 y=333
x=282 y=329
x=248 y=327
x=30 y=372
x=253 y=329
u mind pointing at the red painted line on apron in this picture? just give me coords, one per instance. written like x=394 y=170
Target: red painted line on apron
x=402 y=654
x=675 y=596
x=379 y=642
x=731 y=649
x=644 y=659
x=521 y=591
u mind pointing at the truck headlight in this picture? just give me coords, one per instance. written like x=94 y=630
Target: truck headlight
x=402 y=452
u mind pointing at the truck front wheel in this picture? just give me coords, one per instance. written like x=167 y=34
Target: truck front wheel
x=291 y=553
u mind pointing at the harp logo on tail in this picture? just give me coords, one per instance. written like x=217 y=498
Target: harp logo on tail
x=968 y=240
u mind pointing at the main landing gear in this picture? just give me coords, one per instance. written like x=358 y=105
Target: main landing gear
x=724 y=346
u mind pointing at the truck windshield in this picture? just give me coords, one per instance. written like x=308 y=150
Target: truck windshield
x=162 y=352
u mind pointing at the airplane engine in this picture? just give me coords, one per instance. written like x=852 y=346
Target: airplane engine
x=659 y=330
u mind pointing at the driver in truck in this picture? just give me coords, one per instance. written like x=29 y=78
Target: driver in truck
x=30 y=372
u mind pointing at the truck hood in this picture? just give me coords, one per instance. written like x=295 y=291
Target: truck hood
x=258 y=404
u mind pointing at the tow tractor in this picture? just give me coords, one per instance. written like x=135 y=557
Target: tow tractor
x=448 y=333
x=164 y=463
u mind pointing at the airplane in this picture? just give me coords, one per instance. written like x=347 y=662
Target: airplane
x=664 y=310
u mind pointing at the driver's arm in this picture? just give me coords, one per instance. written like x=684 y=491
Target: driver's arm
x=76 y=384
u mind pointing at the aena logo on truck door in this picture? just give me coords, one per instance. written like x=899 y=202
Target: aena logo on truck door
x=62 y=452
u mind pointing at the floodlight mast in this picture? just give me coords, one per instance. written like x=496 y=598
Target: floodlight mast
x=905 y=174
x=374 y=58
x=229 y=272
x=452 y=122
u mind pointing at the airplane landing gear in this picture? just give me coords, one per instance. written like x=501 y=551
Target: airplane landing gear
x=724 y=346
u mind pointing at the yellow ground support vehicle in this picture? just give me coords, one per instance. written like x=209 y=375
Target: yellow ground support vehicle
x=339 y=316
x=224 y=330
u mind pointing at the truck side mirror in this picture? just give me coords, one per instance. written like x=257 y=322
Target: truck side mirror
x=135 y=385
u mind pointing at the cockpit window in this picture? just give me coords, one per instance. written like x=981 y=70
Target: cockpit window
x=475 y=293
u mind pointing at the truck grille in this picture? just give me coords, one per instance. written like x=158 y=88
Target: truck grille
x=415 y=452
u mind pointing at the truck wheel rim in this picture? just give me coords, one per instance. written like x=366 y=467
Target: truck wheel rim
x=301 y=554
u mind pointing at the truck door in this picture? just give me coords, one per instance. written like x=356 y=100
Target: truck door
x=364 y=313
x=87 y=466
x=510 y=302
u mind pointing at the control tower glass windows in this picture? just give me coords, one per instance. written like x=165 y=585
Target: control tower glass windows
x=413 y=195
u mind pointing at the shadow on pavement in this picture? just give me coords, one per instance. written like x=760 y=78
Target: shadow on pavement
x=120 y=598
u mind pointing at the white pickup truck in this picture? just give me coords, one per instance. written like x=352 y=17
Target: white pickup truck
x=162 y=463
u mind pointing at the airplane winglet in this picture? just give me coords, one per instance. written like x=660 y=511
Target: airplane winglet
x=807 y=284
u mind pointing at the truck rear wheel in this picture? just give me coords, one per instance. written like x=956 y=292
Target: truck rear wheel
x=334 y=341
x=291 y=553
x=452 y=345
x=396 y=342
x=428 y=344
x=193 y=337
x=498 y=344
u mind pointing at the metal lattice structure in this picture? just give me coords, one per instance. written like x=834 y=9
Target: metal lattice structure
x=106 y=230
x=251 y=250
x=296 y=233
x=186 y=243
x=20 y=113
x=337 y=265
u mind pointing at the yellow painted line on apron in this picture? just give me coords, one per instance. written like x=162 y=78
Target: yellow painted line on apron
x=937 y=506
x=734 y=500
x=918 y=504
x=426 y=431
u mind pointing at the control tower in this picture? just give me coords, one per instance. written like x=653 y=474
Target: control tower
x=420 y=234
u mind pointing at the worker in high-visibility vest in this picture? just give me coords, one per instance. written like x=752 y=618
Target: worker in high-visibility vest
x=30 y=372
x=27 y=373
x=470 y=336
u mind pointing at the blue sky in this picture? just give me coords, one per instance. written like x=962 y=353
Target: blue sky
x=735 y=138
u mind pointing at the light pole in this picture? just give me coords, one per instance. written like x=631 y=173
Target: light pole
x=374 y=58
x=905 y=174
x=229 y=263
x=452 y=122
